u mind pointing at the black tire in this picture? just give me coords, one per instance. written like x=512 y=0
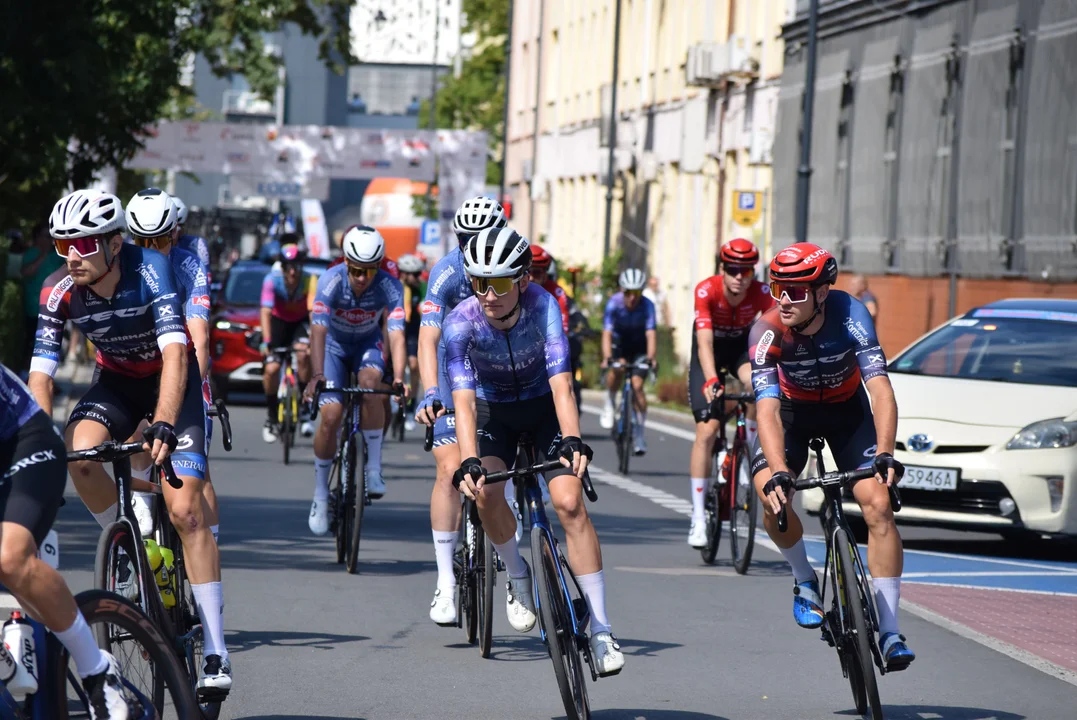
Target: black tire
x=712 y=518
x=354 y=508
x=469 y=593
x=555 y=619
x=113 y=538
x=103 y=610
x=742 y=513
x=337 y=508
x=286 y=432
x=857 y=645
x=487 y=580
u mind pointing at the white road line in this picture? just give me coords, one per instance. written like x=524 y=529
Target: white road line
x=995 y=589
x=994 y=573
x=1022 y=656
x=653 y=425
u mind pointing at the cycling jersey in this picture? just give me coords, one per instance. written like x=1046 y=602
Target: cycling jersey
x=506 y=366
x=629 y=327
x=558 y=292
x=197 y=246
x=17 y=404
x=826 y=367
x=449 y=285
x=353 y=319
x=193 y=284
x=129 y=330
x=713 y=311
x=288 y=306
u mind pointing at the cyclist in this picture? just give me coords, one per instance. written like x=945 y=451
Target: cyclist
x=286 y=299
x=194 y=244
x=541 y=262
x=507 y=358
x=123 y=298
x=629 y=335
x=411 y=270
x=812 y=357
x=726 y=306
x=448 y=286
x=152 y=223
x=33 y=459
x=347 y=337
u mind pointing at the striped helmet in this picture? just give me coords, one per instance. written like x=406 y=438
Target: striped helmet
x=477 y=214
x=633 y=279
x=497 y=252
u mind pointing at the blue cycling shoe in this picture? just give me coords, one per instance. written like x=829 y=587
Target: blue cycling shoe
x=897 y=654
x=807 y=605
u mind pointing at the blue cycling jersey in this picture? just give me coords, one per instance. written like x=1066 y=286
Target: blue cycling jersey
x=192 y=283
x=354 y=319
x=507 y=366
x=17 y=404
x=196 y=245
x=629 y=326
x=448 y=286
x=129 y=330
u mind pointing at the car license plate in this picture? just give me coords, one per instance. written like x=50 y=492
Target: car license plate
x=928 y=478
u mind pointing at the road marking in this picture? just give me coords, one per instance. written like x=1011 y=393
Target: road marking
x=989 y=587
x=1022 y=656
x=1003 y=573
x=709 y=572
x=653 y=425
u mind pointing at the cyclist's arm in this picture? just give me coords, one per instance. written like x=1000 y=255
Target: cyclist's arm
x=607 y=346
x=559 y=372
x=771 y=433
x=199 y=330
x=52 y=314
x=268 y=300
x=564 y=402
x=652 y=344
x=466 y=430
x=429 y=337
x=463 y=382
x=173 y=383
x=267 y=313
x=884 y=409
x=705 y=353
x=41 y=386
x=394 y=326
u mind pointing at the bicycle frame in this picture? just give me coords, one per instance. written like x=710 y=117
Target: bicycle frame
x=286 y=379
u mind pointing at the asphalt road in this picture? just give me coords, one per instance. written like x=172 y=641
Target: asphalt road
x=309 y=641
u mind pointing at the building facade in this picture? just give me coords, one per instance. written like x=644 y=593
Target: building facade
x=697 y=97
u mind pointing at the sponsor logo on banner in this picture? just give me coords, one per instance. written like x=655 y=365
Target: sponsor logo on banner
x=763 y=346
x=320 y=308
x=375 y=164
x=375 y=139
x=238 y=157
x=58 y=293
x=191 y=132
x=229 y=133
x=397 y=314
x=196 y=157
x=429 y=308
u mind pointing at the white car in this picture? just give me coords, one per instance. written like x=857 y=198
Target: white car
x=987 y=421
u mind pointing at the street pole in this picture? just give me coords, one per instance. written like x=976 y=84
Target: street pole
x=535 y=122
x=434 y=67
x=505 y=114
x=613 y=128
x=804 y=171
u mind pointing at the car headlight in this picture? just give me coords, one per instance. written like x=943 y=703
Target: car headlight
x=1044 y=435
x=232 y=327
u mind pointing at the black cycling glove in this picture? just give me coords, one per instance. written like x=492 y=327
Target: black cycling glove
x=472 y=466
x=885 y=461
x=162 y=431
x=780 y=478
x=570 y=445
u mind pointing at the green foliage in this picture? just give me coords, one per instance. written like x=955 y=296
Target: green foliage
x=611 y=270
x=80 y=80
x=425 y=206
x=476 y=99
x=11 y=318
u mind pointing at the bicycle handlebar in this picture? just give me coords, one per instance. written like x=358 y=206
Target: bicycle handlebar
x=111 y=451
x=836 y=478
x=588 y=487
x=326 y=387
x=429 y=441
x=220 y=412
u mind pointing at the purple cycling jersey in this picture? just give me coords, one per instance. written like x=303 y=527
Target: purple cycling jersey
x=17 y=405
x=628 y=326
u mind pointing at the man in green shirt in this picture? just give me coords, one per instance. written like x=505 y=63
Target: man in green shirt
x=38 y=263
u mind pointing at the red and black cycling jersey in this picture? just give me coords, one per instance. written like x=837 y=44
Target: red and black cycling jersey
x=713 y=311
x=559 y=294
x=826 y=367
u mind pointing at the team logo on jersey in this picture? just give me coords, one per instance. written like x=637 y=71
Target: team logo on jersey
x=58 y=293
x=320 y=308
x=702 y=292
x=165 y=311
x=430 y=308
x=184 y=442
x=149 y=274
x=356 y=315
x=397 y=314
x=763 y=346
x=202 y=301
x=857 y=331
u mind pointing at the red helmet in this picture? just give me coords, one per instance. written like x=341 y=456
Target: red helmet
x=739 y=252
x=540 y=258
x=804 y=263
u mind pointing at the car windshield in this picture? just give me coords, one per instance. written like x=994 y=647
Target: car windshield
x=1019 y=346
x=244 y=286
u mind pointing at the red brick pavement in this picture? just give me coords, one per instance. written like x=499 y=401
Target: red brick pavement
x=1044 y=625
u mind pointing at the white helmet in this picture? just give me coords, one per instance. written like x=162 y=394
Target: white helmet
x=497 y=252
x=476 y=215
x=181 y=210
x=409 y=264
x=633 y=279
x=84 y=213
x=363 y=244
x=151 y=213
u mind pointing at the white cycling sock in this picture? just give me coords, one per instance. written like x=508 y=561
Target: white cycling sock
x=699 y=486
x=79 y=641
x=510 y=554
x=752 y=432
x=593 y=586
x=444 y=548
x=887 y=597
x=611 y=396
x=373 y=448
x=106 y=516
x=797 y=557
x=321 y=478
x=209 y=599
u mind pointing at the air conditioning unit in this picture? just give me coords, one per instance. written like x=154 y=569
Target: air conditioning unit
x=711 y=64
x=699 y=66
x=245 y=102
x=760 y=147
x=527 y=168
x=738 y=60
x=648 y=166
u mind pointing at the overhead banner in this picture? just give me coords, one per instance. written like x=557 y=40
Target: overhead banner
x=297 y=153
x=315 y=231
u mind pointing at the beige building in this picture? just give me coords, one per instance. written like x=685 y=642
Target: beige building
x=697 y=98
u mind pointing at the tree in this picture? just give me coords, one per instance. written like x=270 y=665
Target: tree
x=476 y=99
x=81 y=80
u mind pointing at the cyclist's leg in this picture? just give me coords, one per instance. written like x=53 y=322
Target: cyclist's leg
x=371 y=371
x=639 y=401
x=210 y=495
x=744 y=374
x=331 y=410
x=699 y=464
x=301 y=343
x=445 y=513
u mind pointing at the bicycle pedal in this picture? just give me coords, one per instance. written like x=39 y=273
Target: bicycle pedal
x=211 y=695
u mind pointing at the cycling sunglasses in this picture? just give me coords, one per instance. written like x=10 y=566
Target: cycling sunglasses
x=739 y=270
x=289 y=266
x=501 y=285
x=633 y=293
x=361 y=272
x=84 y=246
x=158 y=242
x=796 y=292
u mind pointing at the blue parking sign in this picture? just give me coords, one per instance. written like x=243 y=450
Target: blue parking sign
x=431 y=232
x=746 y=201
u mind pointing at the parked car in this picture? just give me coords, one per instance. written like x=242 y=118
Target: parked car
x=987 y=425
x=235 y=326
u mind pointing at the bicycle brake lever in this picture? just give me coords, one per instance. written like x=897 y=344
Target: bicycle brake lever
x=588 y=487
x=170 y=474
x=783 y=520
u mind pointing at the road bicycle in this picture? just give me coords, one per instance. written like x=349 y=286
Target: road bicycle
x=731 y=495
x=288 y=394
x=348 y=496
x=625 y=426
x=851 y=625
x=397 y=427
x=122 y=565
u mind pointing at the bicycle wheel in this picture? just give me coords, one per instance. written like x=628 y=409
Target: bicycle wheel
x=856 y=639
x=469 y=593
x=286 y=430
x=189 y=631
x=487 y=580
x=712 y=518
x=742 y=514
x=117 y=555
x=110 y=615
x=555 y=618
x=354 y=507
x=336 y=506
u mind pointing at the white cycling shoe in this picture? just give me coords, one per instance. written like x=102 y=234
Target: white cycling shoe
x=375 y=484
x=606 y=653
x=106 y=693
x=606 y=419
x=142 y=504
x=697 y=534
x=318 y=522
x=269 y=432
x=306 y=429
x=215 y=680
x=443 y=608
x=520 y=604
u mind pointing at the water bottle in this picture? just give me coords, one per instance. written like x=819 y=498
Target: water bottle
x=19 y=643
x=161 y=567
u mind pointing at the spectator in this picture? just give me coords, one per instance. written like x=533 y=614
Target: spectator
x=858 y=288
x=657 y=296
x=38 y=263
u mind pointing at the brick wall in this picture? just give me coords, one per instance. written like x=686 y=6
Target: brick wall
x=910 y=306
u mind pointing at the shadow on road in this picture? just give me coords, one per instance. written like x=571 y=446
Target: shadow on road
x=643 y=648
x=243 y=640
x=650 y=714
x=514 y=648
x=299 y=717
x=938 y=712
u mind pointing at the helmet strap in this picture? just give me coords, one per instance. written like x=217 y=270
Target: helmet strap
x=110 y=260
x=815 y=312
